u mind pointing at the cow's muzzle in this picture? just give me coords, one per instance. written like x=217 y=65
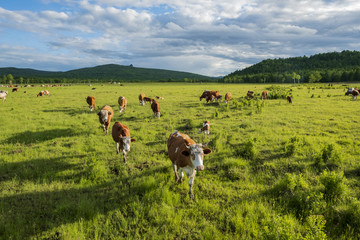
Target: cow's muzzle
x=200 y=168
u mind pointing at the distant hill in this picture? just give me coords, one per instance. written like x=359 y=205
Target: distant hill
x=109 y=72
x=325 y=67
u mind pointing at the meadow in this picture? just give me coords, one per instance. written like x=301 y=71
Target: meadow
x=277 y=170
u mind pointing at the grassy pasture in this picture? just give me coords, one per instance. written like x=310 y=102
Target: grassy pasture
x=277 y=171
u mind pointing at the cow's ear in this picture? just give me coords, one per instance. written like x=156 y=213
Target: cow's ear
x=207 y=151
x=185 y=153
x=133 y=140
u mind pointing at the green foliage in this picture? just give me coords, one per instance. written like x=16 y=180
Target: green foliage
x=247 y=150
x=334 y=186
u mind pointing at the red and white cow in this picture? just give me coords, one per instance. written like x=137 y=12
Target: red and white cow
x=40 y=94
x=122 y=103
x=186 y=156
x=205 y=129
x=211 y=95
x=155 y=108
x=141 y=99
x=355 y=93
x=288 y=98
x=105 y=115
x=121 y=136
x=227 y=97
x=47 y=93
x=91 y=101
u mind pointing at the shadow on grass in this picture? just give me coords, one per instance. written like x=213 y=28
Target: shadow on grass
x=29 y=137
x=72 y=111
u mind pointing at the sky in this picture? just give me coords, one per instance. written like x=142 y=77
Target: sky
x=208 y=37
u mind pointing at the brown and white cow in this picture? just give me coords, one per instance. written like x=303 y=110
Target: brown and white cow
x=205 y=129
x=186 y=156
x=210 y=95
x=264 y=95
x=355 y=93
x=15 y=89
x=121 y=136
x=40 y=94
x=141 y=99
x=105 y=115
x=47 y=93
x=159 y=98
x=148 y=99
x=288 y=98
x=250 y=94
x=3 y=95
x=122 y=103
x=91 y=101
x=227 y=97
x=155 y=108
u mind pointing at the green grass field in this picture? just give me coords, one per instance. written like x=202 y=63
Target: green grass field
x=277 y=171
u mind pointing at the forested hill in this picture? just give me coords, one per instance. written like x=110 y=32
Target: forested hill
x=110 y=72
x=325 y=67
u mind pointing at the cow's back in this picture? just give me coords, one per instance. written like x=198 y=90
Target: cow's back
x=120 y=130
x=176 y=144
x=90 y=100
x=122 y=101
x=108 y=108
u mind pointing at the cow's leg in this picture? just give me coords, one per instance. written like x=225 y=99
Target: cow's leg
x=191 y=183
x=181 y=174
x=125 y=155
x=175 y=171
x=117 y=148
x=103 y=125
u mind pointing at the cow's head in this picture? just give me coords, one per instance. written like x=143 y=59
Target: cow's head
x=104 y=115
x=196 y=153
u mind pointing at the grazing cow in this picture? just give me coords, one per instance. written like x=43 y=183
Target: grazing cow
x=40 y=94
x=91 y=101
x=227 y=97
x=122 y=103
x=186 y=156
x=121 y=135
x=47 y=93
x=105 y=115
x=159 y=98
x=155 y=108
x=148 y=99
x=288 y=98
x=210 y=95
x=15 y=89
x=264 y=95
x=3 y=95
x=349 y=91
x=141 y=99
x=355 y=93
x=250 y=94
x=205 y=128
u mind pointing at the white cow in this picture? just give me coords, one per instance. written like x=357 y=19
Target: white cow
x=3 y=95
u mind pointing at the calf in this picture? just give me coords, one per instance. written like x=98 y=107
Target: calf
x=121 y=136
x=227 y=97
x=122 y=103
x=3 y=95
x=186 y=156
x=250 y=94
x=141 y=99
x=205 y=129
x=155 y=108
x=264 y=95
x=105 y=115
x=91 y=101
x=288 y=98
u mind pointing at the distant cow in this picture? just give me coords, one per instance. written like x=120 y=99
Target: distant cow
x=186 y=156
x=91 y=101
x=210 y=95
x=355 y=93
x=122 y=103
x=227 y=97
x=121 y=136
x=3 y=95
x=15 y=89
x=148 y=99
x=155 y=108
x=349 y=91
x=250 y=94
x=105 y=115
x=206 y=128
x=264 y=95
x=160 y=98
x=288 y=98
x=141 y=99
x=40 y=94
x=47 y=93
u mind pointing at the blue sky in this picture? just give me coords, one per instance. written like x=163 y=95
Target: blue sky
x=209 y=37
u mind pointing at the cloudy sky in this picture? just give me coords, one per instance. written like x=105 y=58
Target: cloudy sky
x=209 y=37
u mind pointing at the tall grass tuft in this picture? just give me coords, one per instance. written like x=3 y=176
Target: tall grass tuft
x=247 y=150
x=334 y=186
